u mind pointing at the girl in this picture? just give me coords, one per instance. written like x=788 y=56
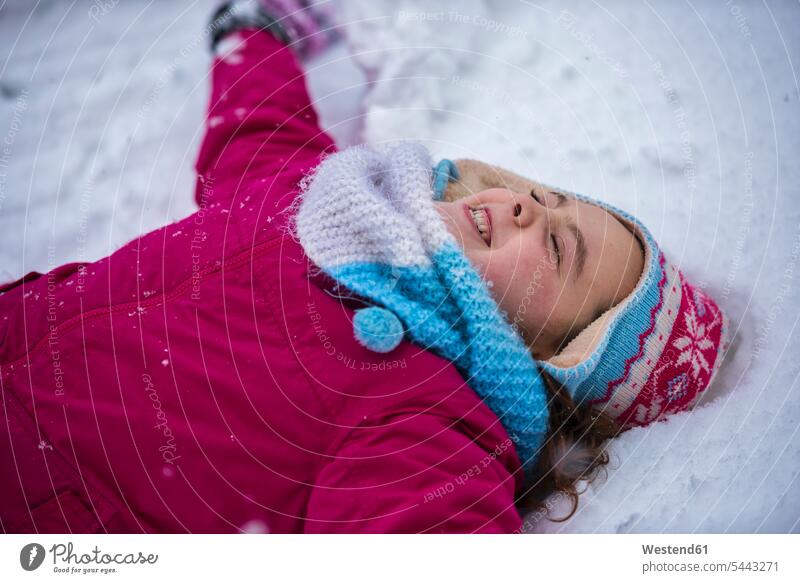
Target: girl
x=321 y=347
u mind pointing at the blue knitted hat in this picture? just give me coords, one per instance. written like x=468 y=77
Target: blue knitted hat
x=367 y=219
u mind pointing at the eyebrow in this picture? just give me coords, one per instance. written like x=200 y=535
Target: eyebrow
x=580 y=247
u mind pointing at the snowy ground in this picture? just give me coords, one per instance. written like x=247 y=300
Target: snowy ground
x=684 y=113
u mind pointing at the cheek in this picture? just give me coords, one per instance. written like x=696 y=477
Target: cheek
x=523 y=287
x=494 y=269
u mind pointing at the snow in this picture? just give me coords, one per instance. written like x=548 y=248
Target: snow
x=683 y=113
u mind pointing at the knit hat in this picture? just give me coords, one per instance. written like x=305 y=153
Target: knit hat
x=652 y=354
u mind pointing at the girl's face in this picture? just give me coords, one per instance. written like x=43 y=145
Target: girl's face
x=554 y=263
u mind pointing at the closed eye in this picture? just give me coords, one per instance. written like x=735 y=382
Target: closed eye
x=562 y=198
x=557 y=250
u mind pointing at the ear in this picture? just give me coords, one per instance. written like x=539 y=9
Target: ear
x=476 y=176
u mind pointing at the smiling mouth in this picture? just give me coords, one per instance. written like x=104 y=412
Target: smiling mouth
x=482 y=220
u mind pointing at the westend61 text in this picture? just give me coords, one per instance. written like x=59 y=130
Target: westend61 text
x=671 y=550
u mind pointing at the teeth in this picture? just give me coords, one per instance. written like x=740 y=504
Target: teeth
x=480 y=219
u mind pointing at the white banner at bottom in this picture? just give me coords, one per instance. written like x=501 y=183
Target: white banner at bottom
x=406 y=558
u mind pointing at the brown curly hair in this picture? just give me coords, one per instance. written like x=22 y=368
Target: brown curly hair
x=573 y=451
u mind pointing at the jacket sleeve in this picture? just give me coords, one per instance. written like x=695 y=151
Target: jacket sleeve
x=414 y=475
x=260 y=117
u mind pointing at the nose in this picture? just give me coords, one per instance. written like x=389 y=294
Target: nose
x=525 y=210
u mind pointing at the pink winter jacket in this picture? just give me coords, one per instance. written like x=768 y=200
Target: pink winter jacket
x=201 y=380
